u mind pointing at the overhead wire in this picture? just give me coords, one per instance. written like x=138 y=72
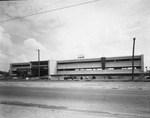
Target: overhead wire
x=34 y=10
x=61 y=8
x=43 y=7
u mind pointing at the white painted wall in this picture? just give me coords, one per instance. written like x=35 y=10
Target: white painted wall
x=52 y=67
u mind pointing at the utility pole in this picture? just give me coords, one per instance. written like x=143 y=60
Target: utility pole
x=38 y=63
x=133 y=59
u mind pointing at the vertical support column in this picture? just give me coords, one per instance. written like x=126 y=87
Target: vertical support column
x=103 y=62
x=38 y=64
x=49 y=69
x=10 y=71
x=142 y=63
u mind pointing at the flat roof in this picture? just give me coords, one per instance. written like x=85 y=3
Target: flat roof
x=98 y=59
x=21 y=63
x=40 y=61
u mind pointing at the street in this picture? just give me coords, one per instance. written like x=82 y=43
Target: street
x=113 y=102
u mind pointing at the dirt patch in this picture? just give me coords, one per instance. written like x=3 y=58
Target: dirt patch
x=13 y=109
x=83 y=85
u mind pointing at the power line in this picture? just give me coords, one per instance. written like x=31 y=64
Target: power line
x=49 y=11
x=43 y=7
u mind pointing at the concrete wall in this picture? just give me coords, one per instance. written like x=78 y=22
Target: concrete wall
x=52 y=67
x=113 y=65
x=79 y=65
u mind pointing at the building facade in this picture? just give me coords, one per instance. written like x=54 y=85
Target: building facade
x=83 y=67
x=30 y=68
x=17 y=68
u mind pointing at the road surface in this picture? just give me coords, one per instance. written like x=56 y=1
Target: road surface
x=118 y=103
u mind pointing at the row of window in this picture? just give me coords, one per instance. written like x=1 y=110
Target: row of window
x=21 y=65
x=27 y=65
x=116 y=68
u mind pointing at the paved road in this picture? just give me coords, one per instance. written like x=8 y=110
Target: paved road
x=116 y=102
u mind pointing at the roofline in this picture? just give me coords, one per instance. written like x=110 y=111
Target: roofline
x=21 y=63
x=96 y=59
x=40 y=60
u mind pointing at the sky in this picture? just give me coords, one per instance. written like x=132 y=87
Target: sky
x=101 y=28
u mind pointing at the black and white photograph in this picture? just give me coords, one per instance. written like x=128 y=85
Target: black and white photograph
x=74 y=58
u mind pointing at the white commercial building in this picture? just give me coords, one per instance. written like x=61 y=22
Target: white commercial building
x=82 y=67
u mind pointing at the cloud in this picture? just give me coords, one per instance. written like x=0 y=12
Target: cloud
x=21 y=58
x=103 y=28
x=92 y=33
x=5 y=42
x=33 y=44
x=2 y=56
x=5 y=46
x=8 y=52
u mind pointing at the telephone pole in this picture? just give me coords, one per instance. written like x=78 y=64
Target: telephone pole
x=38 y=63
x=133 y=59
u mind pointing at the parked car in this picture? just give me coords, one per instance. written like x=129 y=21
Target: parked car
x=147 y=77
x=70 y=78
